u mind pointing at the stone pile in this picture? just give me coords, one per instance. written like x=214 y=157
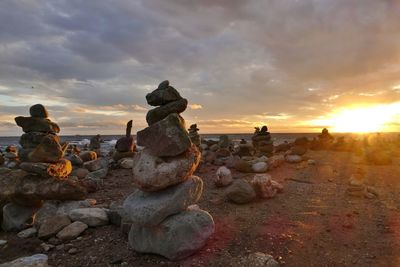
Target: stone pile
x=43 y=174
x=357 y=186
x=244 y=149
x=95 y=144
x=125 y=146
x=194 y=135
x=325 y=141
x=262 y=142
x=163 y=220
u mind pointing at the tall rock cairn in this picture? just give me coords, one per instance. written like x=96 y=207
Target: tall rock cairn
x=262 y=142
x=164 y=219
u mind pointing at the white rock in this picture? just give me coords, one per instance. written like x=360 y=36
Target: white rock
x=223 y=177
x=3 y=242
x=27 y=233
x=293 y=158
x=264 y=186
x=260 y=167
x=90 y=216
x=37 y=260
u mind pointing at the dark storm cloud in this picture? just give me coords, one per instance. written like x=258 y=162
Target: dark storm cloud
x=239 y=60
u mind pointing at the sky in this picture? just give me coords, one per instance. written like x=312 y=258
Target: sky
x=289 y=64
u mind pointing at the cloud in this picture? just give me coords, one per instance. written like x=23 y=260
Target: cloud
x=238 y=58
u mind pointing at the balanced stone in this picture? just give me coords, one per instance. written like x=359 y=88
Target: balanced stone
x=161 y=112
x=175 y=238
x=262 y=142
x=38 y=111
x=165 y=138
x=151 y=173
x=32 y=124
x=53 y=225
x=151 y=208
x=61 y=169
x=95 y=142
x=126 y=143
x=164 y=94
x=33 y=139
x=194 y=135
x=49 y=150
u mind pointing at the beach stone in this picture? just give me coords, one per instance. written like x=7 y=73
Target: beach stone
x=31 y=124
x=166 y=138
x=152 y=173
x=260 y=259
x=126 y=163
x=37 y=260
x=97 y=175
x=298 y=150
x=95 y=165
x=243 y=166
x=51 y=226
x=88 y=156
x=240 y=192
x=120 y=155
x=259 y=167
x=177 y=237
x=91 y=216
x=125 y=144
x=80 y=173
x=223 y=177
x=38 y=111
x=72 y=231
x=27 y=233
x=161 y=112
x=3 y=242
x=15 y=217
x=293 y=158
x=76 y=160
x=60 y=169
x=49 y=150
x=264 y=186
x=164 y=94
x=151 y=208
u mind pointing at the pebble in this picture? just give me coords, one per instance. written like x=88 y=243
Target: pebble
x=27 y=233
x=73 y=251
x=47 y=247
x=3 y=242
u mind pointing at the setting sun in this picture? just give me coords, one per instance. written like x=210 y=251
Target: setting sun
x=362 y=119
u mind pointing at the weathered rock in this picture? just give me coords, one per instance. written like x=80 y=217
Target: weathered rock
x=293 y=158
x=37 y=260
x=95 y=165
x=259 y=167
x=51 y=226
x=16 y=217
x=264 y=186
x=38 y=111
x=88 y=156
x=80 y=173
x=33 y=139
x=72 y=231
x=27 y=233
x=126 y=163
x=49 y=150
x=259 y=259
x=175 y=238
x=31 y=124
x=152 y=173
x=243 y=166
x=60 y=169
x=91 y=216
x=151 y=208
x=159 y=113
x=164 y=94
x=240 y=192
x=97 y=175
x=120 y=155
x=223 y=177
x=165 y=138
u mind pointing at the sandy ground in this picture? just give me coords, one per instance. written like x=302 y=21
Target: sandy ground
x=312 y=223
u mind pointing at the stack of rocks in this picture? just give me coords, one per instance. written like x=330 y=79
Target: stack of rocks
x=324 y=141
x=44 y=174
x=161 y=210
x=357 y=186
x=244 y=149
x=262 y=142
x=95 y=144
x=125 y=146
x=194 y=135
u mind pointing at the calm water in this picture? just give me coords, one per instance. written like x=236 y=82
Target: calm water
x=110 y=140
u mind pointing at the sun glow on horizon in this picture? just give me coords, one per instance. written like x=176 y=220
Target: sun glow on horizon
x=362 y=119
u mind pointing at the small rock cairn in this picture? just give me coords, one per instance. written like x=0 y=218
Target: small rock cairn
x=164 y=219
x=194 y=135
x=262 y=142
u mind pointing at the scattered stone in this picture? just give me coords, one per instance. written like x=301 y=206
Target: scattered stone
x=51 y=226
x=91 y=216
x=311 y=162
x=243 y=166
x=240 y=192
x=276 y=161
x=47 y=247
x=152 y=173
x=126 y=163
x=3 y=242
x=223 y=177
x=293 y=158
x=37 y=260
x=264 y=186
x=16 y=217
x=260 y=259
x=260 y=167
x=175 y=238
x=95 y=165
x=27 y=233
x=151 y=208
